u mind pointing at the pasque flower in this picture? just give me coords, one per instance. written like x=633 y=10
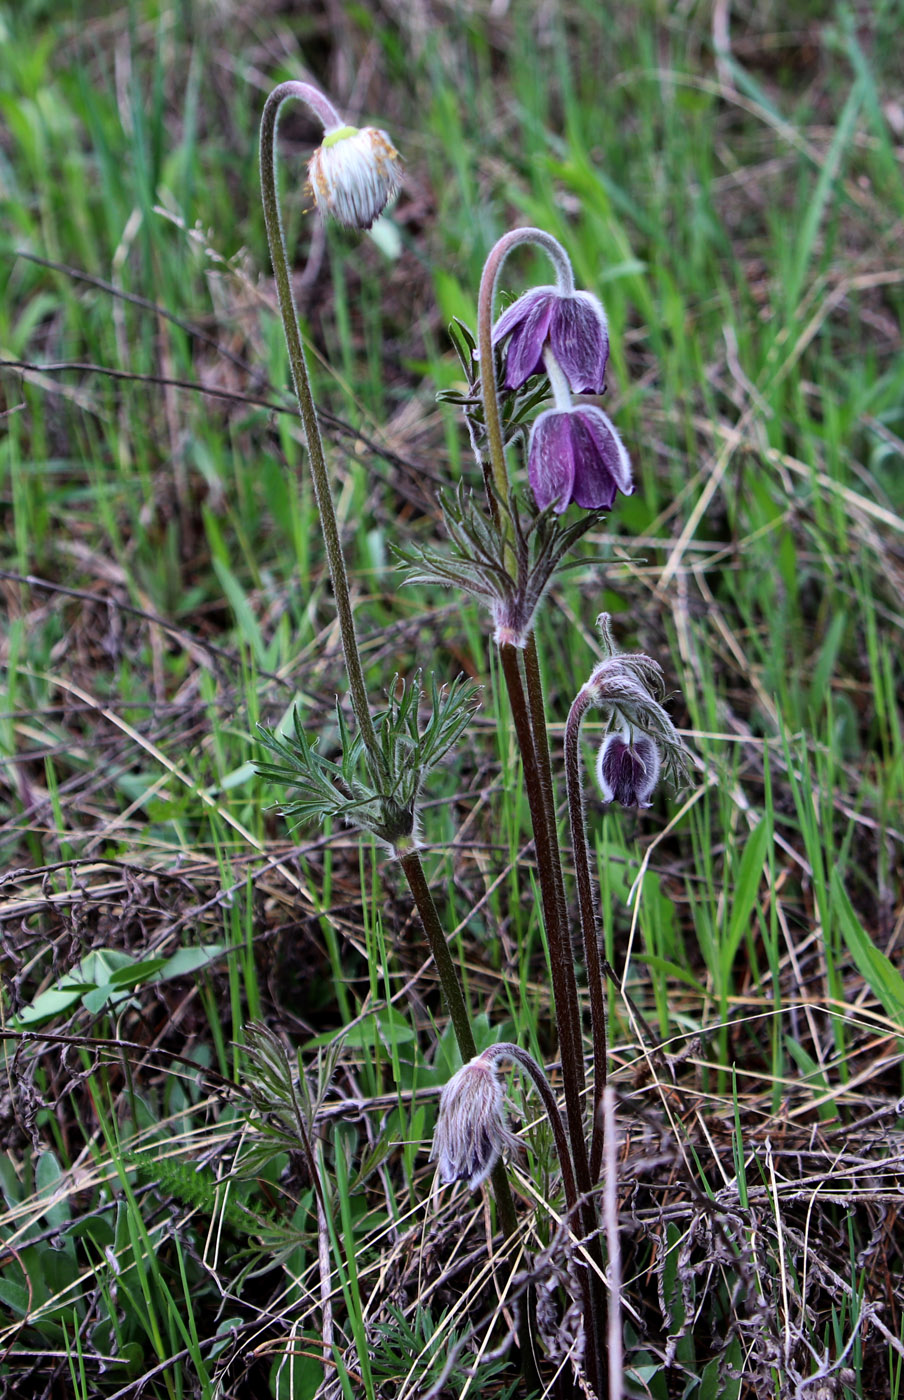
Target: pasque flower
x=572 y=324
x=575 y=454
x=628 y=769
x=471 y=1132
x=642 y=743
x=354 y=174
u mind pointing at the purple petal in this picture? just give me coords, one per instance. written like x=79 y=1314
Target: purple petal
x=627 y=773
x=518 y=310
x=551 y=459
x=594 y=485
x=602 y=464
x=580 y=341
x=524 y=356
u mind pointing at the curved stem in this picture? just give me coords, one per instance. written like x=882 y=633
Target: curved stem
x=313 y=98
x=485 y=299
x=507 y=1050
x=454 y=998
x=276 y=238
x=453 y=995
x=409 y=860
x=530 y=724
x=551 y=883
x=592 y=958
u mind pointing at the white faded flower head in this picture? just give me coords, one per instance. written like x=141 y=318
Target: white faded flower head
x=354 y=174
x=471 y=1132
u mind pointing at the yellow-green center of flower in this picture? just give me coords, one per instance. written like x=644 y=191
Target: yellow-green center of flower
x=340 y=134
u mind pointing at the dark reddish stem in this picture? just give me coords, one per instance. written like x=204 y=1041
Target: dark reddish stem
x=587 y=903
x=556 y=926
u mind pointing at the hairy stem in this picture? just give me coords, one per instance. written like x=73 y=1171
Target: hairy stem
x=615 y=1342
x=410 y=861
x=322 y=495
x=454 y=998
x=587 y=904
x=530 y=727
x=450 y=982
x=551 y=882
x=537 y=712
x=507 y=1050
x=556 y=925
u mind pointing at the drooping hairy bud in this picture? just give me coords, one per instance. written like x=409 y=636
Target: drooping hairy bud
x=627 y=769
x=471 y=1132
x=354 y=174
x=629 y=687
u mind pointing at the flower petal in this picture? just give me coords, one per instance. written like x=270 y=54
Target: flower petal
x=579 y=339
x=516 y=313
x=551 y=459
x=524 y=356
x=602 y=464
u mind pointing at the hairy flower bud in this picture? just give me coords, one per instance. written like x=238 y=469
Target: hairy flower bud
x=627 y=769
x=471 y=1132
x=354 y=174
x=642 y=742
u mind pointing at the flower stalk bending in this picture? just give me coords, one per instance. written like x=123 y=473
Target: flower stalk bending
x=525 y=695
x=324 y=109
x=470 y=1137
x=352 y=176
x=485 y=299
x=453 y=996
x=629 y=688
x=526 y=700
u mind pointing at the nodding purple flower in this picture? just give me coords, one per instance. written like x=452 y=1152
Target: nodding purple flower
x=573 y=326
x=575 y=454
x=471 y=1132
x=627 y=771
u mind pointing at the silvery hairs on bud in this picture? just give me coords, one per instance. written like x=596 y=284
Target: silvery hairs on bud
x=471 y=1132
x=628 y=769
x=629 y=687
x=354 y=174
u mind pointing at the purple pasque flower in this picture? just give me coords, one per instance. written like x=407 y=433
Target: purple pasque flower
x=571 y=324
x=575 y=454
x=627 y=770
